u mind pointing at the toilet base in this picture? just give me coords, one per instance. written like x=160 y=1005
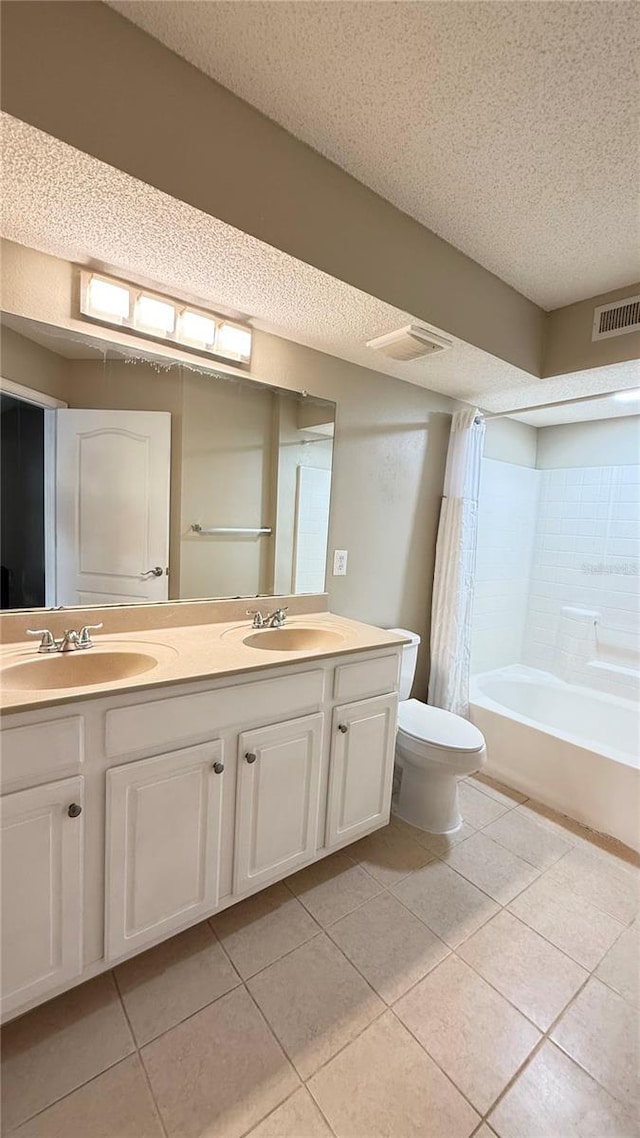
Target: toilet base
x=429 y=800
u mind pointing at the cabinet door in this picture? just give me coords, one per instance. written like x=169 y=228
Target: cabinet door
x=42 y=849
x=361 y=771
x=278 y=797
x=163 y=845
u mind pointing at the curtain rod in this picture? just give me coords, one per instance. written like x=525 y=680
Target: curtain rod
x=547 y=406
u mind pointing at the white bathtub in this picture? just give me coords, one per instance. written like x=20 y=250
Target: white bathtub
x=572 y=748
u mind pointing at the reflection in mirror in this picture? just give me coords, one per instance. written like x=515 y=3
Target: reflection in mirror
x=130 y=478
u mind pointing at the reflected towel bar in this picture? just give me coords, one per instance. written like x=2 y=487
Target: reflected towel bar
x=197 y=528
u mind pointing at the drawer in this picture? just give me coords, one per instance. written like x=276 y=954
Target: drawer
x=368 y=677
x=41 y=752
x=149 y=726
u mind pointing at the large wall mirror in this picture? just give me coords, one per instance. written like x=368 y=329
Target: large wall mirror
x=128 y=478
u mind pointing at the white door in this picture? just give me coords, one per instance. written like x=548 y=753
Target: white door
x=278 y=793
x=42 y=848
x=361 y=772
x=112 y=506
x=163 y=845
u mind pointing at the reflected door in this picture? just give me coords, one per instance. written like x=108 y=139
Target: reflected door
x=112 y=506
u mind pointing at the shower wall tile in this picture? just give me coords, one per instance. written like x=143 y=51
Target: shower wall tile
x=586 y=556
x=506 y=527
x=558 y=585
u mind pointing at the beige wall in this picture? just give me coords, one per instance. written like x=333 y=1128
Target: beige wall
x=27 y=363
x=511 y=441
x=569 y=346
x=602 y=442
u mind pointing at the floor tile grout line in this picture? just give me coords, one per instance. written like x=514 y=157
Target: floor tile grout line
x=67 y=1094
x=138 y=1048
x=545 y=1038
x=454 y=951
x=436 y=1063
x=625 y=928
x=582 y=834
x=108 y=973
x=381 y=891
x=245 y=985
x=263 y=967
x=303 y=1086
x=539 y=872
x=283 y=956
x=592 y=838
x=541 y=868
x=304 y=1080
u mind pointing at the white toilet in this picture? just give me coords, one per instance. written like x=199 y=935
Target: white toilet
x=434 y=748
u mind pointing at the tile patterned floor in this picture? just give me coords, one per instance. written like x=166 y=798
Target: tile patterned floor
x=407 y=987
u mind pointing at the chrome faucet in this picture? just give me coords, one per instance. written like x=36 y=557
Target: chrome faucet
x=70 y=642
x=274 y=619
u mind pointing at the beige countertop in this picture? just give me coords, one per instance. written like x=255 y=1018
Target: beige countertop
x=183 y=654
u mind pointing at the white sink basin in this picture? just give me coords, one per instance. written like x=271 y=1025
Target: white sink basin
x=75 y=669
x=298 y=639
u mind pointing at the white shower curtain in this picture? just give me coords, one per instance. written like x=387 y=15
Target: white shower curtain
x=451 y=609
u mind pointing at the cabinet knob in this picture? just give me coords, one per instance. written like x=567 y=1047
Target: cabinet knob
x=251 y=756
x=218 y=768
x=74 y=810
x=343 y=727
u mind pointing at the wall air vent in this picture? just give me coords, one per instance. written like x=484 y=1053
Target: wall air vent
x=409 y=343
x=616 y=319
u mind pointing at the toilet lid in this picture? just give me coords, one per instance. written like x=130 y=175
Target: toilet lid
x=437 y=727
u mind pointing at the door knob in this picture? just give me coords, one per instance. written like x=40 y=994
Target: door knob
x=157 y=571
x=344 y=727
x=251 y=756
x=218 y=767
x=74 y=810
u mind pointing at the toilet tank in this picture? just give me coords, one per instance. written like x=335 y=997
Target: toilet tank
x=409 y=661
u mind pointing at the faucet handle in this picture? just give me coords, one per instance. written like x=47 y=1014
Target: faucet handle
x=258 y=618
x=84 y=639
x=47 y=643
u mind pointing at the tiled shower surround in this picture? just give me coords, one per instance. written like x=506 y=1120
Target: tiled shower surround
x=558 y=584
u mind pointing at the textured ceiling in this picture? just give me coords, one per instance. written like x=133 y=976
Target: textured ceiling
x=510 y=128
x=64 y=202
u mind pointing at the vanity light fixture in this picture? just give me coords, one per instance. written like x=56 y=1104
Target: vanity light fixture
x=136 y=309
x=108 y=300
x=155 y=316
x=234 y=341
x=196 y=329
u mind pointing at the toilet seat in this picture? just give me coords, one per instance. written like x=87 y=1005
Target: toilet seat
x=422 y=723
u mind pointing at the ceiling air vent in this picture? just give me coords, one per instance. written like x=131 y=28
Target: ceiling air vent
x=616 y=319
x=409 y=343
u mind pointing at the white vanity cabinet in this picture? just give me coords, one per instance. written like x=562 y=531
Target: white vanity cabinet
x=361 y=772
x=42 y=858
x=193 y=796
x=162 y=845
x=278 y=797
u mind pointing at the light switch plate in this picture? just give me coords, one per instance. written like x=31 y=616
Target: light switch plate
x=340 y=562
